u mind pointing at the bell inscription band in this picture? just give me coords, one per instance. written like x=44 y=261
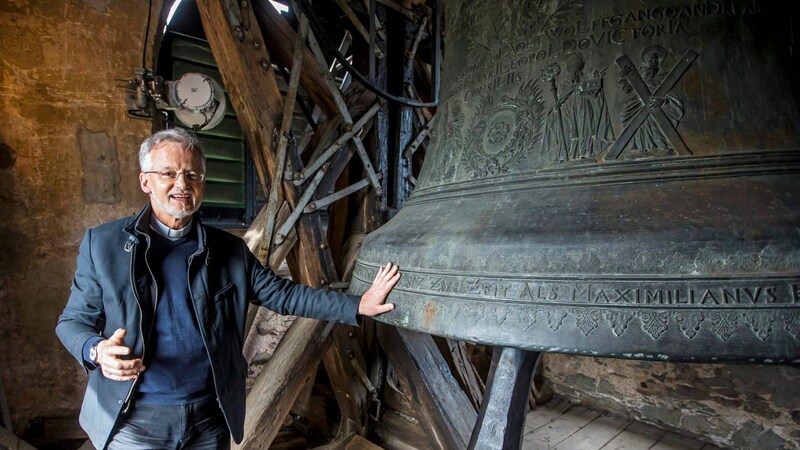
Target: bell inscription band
x=608 y=179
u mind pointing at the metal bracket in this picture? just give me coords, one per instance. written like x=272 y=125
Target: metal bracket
x=280 y=236
x=373 y=393
x=238 y=21
x=300 y=178
x=413 y=146
x=338 y=195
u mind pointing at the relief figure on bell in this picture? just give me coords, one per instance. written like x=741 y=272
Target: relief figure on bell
x=578 y=125
x=650 y=138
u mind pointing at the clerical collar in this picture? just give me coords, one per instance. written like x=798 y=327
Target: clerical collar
x=168 y=232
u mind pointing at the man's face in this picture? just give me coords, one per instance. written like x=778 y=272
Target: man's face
x=173 y=200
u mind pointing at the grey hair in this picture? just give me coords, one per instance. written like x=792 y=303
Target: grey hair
x=175 y=135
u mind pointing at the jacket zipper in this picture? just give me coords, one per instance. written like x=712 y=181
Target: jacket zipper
x=128 y=397
x=203 y=335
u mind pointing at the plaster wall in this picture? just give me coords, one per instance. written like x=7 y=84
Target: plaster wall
x=67 y=162
x=733 y=406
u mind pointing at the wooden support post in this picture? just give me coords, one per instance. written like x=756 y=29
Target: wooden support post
x=246 y=70
x=278 y=34
x=350 y=392
x=404 y=125
x=273 y=202
x=456 y=354
x=374 y=209
x=282 y=379
x=444 y=411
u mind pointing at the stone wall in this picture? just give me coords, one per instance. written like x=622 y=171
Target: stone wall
x=67 y=162
x=733 y=406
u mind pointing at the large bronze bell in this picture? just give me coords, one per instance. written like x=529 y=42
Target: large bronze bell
x=608 y=178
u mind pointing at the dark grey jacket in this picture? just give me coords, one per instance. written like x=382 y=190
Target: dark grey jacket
x=113 y=288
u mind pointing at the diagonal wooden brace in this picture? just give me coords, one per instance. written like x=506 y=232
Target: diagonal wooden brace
x=283 y=140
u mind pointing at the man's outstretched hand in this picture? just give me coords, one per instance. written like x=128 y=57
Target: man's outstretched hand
x=373 y=301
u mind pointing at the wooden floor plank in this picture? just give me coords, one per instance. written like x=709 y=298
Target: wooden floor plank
x=560 y=425
x=545 y=414
x=561 y=428
x=674 y=441
x=595 y=434
x=637 y=436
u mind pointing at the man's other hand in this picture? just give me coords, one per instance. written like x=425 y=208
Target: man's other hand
x=373 y=301
x=109 y=352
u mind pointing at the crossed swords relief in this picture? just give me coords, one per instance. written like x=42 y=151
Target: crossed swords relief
x=628 y=70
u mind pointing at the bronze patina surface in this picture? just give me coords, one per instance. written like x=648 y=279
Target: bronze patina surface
x=608 y=178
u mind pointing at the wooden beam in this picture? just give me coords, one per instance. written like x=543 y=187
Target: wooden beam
x=350 y=392
x=443 y=410
x=457 y=356
x=246 y=70
x=278 y=385
x=279 y=35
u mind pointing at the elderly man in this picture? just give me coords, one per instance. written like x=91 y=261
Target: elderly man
x=158 y=305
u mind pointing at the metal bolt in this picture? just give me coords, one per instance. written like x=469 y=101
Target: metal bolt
x=323 y=246
x=323 y=282
x=237 y=29
x=348 y=127
x=264 y=64
x=256 y=44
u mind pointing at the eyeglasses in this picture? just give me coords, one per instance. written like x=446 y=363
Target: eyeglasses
x=171 y=175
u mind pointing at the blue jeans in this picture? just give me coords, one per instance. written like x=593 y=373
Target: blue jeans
x=196 y=426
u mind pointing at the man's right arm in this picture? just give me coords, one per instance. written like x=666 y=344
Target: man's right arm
x=84 y=316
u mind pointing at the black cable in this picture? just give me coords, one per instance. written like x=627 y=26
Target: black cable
x=146 y=33
x=321 y=37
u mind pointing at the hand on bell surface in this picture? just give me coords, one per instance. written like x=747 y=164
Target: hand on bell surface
x=109 y=353
x=373 y=301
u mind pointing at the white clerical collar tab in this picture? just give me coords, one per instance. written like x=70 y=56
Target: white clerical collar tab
x=168 y=232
